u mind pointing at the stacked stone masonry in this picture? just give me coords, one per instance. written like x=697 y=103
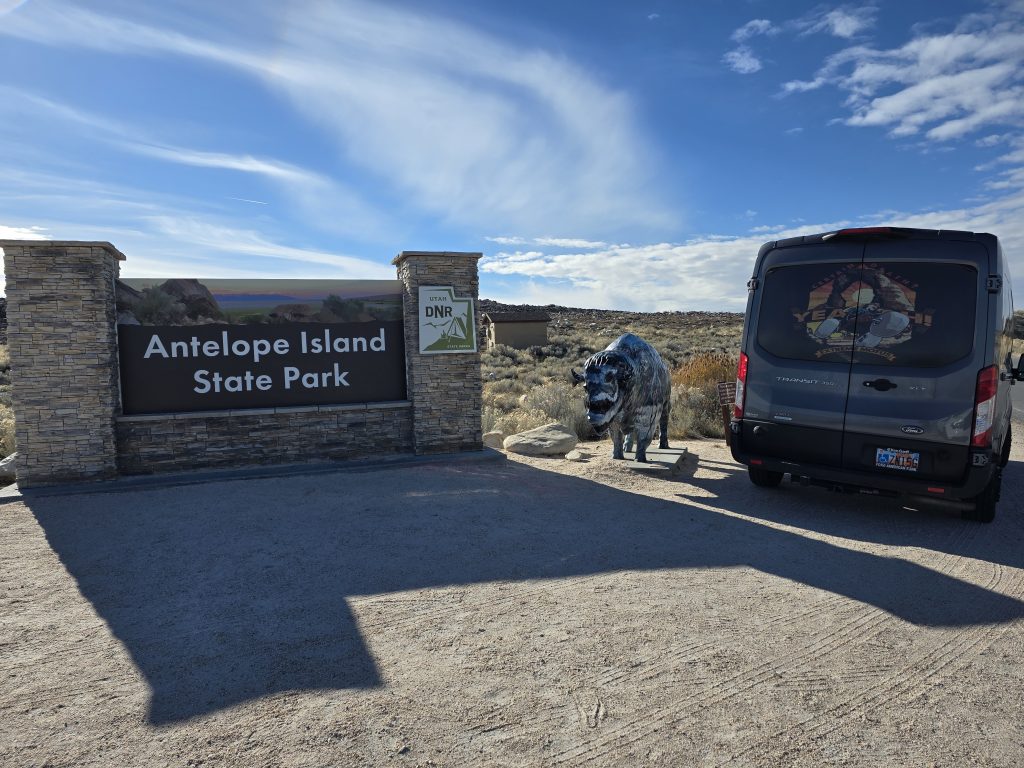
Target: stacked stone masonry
x=62 y=341
x=444 y=389
x=63 y=347
x=165 y=443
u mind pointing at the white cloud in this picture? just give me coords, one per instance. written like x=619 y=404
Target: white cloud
x=558 y=242
x=706 y=273
x=22 y=233
x=943 y=85
x=742 y=60
x=845 y=21
x=753 y=28
x=461 y=124
x=568 y=242
x=993 y=140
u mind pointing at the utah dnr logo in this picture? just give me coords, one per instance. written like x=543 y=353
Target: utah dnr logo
x=446 y=323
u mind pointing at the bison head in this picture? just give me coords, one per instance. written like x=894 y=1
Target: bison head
x=605 y=378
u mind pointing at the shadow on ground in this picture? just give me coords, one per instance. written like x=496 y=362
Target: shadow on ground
x=878 y=520
x=229 y=591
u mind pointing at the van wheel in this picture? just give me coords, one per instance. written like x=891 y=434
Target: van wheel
x=764 y=478
x=1004 y=457
x=985 y=502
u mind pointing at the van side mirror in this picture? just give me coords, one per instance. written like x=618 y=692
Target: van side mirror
x=1016 y=371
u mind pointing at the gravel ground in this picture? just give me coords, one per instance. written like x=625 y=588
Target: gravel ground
x=527 y=612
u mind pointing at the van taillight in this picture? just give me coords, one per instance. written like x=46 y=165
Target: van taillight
x=984 y=407
x=741 y=386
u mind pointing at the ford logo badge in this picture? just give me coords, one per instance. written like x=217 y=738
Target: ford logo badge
x=912 y=429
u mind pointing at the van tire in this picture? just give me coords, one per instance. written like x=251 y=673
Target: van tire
x=985 y=502
x=764 y=478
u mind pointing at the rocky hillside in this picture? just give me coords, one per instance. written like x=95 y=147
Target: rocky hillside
x=577 y=319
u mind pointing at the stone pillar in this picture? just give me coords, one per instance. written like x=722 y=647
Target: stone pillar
x=62 y=338
x=444 y=389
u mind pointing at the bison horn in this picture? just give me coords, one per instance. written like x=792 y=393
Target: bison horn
x=576 y=377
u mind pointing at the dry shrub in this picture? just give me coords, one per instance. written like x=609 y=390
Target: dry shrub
x=555 y=401
x=521 y=420
x=563 y=403
x=5 y=357
x=695 y=408
x=704 y=370
x=7 y=446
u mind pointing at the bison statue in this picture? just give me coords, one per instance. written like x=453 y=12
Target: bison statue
x=628 y=392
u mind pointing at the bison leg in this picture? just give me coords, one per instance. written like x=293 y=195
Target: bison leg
x=642 y=441
x=616 y=442
x=664 y=425
x=628 y=446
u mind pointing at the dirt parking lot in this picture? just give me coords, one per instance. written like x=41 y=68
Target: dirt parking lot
x=523 y=612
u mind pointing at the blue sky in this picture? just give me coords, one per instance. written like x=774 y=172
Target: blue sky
x=604 y=154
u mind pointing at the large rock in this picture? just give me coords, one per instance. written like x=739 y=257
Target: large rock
x=494 y=439
x=195 y=296
x=8 y=468
x=549 y=440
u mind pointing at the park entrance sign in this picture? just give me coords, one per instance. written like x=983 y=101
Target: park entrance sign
x=258 y=344
x=118 y=376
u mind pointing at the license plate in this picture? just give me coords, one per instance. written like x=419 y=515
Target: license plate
x=895 y=458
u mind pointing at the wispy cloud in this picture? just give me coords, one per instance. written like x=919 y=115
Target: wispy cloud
x=846 y=21
x=556 y=242
x=314 y=193
x=247 y=242
x=163 y=235
x=495 y=132
x=753 y=28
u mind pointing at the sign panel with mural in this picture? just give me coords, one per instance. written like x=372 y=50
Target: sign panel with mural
x=446 y=323
x=186 y=345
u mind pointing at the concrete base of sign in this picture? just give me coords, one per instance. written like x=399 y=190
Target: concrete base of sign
x=668 y=460
x=13 y=493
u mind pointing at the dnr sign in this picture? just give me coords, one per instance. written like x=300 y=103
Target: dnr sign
x=446 y=323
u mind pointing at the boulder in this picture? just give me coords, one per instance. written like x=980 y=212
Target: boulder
x=8 y=468
x=549 y=440
x=195 y=296
x=494 y=439
x=125 y=297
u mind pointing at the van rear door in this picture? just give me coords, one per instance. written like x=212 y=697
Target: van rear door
x=918 y=344
x=799 y=358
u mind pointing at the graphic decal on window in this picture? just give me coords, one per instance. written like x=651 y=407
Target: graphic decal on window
x=866 y=307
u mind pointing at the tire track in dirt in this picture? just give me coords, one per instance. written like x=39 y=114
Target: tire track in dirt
x=864 y=625
x=540 y=718
x=922 y=673
x=855 y=628
x=861 y=623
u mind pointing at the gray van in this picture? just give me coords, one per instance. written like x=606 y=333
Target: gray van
x=878 y=360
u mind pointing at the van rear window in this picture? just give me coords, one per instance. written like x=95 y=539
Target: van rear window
x=918 y=314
